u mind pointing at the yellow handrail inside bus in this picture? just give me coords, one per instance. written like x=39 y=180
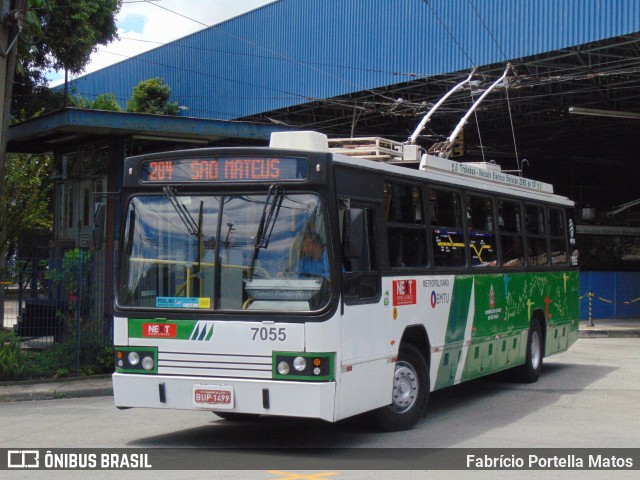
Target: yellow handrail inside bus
x=161 y=261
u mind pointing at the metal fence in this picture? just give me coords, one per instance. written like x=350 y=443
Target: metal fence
x=54 y=318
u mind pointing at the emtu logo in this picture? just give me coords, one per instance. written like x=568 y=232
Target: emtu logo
x=23 y=459
x=439 y=298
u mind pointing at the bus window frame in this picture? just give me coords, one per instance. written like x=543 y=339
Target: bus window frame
x=420 y=227
x=436 y=187
x=467 y=193
x=564 y=236
x=530 y=237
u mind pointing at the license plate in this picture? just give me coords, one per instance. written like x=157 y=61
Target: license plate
x=212 y=396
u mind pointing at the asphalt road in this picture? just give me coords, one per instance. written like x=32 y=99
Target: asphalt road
x=587 y=397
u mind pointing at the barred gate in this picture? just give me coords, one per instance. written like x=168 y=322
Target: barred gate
x=54 y=318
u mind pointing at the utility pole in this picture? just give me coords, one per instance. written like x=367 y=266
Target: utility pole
x=11 y=14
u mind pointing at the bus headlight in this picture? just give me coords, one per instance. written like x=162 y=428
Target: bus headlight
x=147 y=363
x=133 y=358
x=283 y=368
x=303 y=366
x=136 y=360
x=299 y=364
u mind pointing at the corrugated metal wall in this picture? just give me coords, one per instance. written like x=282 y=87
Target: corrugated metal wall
x=293 y=51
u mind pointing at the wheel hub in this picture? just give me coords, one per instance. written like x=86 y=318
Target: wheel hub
x=535 y=350
x=405 y=387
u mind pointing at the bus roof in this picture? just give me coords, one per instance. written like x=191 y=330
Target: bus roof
x=464 y=175
x=381 y=154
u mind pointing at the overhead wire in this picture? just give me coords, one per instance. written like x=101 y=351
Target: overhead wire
x=455 y=40
x=493 y=38
x=175 y=44
x=176 y=13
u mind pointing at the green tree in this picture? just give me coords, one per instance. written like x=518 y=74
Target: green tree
x=106 y=101
x=61 y=35
x=152 y=96
x=24 y=203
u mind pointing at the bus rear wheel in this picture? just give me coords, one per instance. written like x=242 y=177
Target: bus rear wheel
x=410 y=392
x=530 y=371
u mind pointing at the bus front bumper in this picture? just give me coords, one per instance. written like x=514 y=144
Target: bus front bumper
x=263 y=397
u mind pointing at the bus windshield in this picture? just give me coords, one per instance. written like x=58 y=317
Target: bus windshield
x=225 y=252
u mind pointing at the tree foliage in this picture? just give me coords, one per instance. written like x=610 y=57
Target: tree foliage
x=25 y=203
x=74 y=31
x=106 y=101
x=152 y=96
x=59 y=35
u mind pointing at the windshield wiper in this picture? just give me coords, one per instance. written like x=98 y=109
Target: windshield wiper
x=193 y=228
x=272 y=205
x=190 y=224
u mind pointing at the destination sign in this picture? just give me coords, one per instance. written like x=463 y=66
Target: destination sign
x=224 y=169
x=473 y=171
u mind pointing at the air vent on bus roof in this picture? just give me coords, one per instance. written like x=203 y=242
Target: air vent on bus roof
x=306 y=140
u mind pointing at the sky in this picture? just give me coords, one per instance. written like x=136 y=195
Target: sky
x=145 y=24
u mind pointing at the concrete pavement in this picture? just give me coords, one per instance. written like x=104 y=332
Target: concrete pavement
x=100 y=385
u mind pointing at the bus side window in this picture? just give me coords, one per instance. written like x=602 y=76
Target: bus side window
x=511 y=235
x=406 y=231
x=536 y=235
x=447 y=232
x=361 y=281
x=482 y=237
x=364 y=261
x=557 y=234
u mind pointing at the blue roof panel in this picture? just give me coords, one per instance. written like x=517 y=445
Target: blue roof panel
x=293 y=51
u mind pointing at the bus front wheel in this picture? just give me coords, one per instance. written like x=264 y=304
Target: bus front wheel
x=410 y=392
x=530 y=371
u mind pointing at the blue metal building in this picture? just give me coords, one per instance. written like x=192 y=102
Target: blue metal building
x=291 y=52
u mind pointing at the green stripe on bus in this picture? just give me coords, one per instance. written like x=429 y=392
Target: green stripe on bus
x=456 y=324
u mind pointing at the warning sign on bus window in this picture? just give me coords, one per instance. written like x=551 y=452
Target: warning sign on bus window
x=404 y=292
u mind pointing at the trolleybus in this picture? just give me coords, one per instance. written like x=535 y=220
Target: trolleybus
x=424 y=278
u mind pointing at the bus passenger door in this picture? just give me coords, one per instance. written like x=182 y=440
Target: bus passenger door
x=365 y=350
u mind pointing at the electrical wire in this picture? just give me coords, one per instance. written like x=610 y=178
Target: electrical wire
x=504 y=56
x=174 y=44
x=176 y=13
x=455 y=40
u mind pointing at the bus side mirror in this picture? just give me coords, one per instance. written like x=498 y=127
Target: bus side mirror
x=98 y=227
x=354 y=233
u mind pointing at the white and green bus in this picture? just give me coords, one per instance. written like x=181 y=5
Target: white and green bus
x=422 y=278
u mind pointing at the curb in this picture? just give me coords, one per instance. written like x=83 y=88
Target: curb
x=55 y=395
x=56 y=389
x=603 y=333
